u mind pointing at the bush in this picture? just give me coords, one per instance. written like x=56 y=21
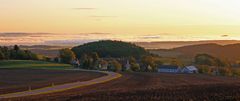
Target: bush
x=204 y=69
x=135 y=67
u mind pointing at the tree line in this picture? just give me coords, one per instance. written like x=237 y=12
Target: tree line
x=16 y=53
x=208 y=64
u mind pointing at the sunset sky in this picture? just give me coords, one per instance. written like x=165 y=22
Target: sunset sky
x=56 y=21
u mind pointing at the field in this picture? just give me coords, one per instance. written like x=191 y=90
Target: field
x=32 y=64
x=153 y=87
x=21 y=75
x=13 y=80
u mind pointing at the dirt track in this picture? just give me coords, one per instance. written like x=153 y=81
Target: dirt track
x=152 y=86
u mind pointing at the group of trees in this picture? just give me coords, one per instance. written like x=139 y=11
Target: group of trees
x=7 y=53
x=134 y=66
x=213 y=65
x=152 y=62
x=89 y=61
x=66 y=55
x=206 y=59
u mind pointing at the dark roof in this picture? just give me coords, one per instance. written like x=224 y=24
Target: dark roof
x=168 y=67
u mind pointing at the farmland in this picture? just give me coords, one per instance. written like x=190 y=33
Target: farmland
x=13 y=80
x=153 y=86
x=29 y=64
x=22 y=75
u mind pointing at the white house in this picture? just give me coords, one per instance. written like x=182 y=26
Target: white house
x=190 y=69
x=169 y=69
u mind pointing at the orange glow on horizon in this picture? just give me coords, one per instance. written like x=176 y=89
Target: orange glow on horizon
x=128 y=20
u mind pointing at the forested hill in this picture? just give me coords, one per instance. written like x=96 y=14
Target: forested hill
x=108 y=48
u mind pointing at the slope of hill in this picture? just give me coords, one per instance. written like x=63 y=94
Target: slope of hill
x=175 y=44
x=46 y=50
x=229 y=52
x=110 y=48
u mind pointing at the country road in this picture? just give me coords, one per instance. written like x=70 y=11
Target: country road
x=63 y=87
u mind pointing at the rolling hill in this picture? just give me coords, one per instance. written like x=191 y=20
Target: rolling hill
x=175 y=44
x=230 y=52
x=108 y=48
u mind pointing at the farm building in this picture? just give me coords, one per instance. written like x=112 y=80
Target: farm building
x=103 y=65
x=190 y=69
x=169 y=69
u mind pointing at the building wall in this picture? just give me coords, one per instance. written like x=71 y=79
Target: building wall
x=168 y=70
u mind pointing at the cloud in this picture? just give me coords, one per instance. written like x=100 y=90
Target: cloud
x=22 y=34
x=224 y=35
x=69 y=42
x=84 y=8
x=97 y=33
x=17 y=34
x=95 y=16
x=151 y=37
x=51 y=38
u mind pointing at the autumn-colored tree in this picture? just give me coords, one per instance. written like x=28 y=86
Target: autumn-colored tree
x=149 y=61
x=66 y=55
x=116 y=66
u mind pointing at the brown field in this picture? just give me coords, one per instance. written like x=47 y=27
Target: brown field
x=152 y=87
x=12 y=80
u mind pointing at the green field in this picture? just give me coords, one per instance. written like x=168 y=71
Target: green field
x=32 y=64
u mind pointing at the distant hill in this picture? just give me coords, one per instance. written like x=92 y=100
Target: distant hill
x=46 y=50
x=175 y=44
x=229 y=52
x=108 y=48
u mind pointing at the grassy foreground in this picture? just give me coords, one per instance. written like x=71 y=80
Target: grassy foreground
x=32 y=64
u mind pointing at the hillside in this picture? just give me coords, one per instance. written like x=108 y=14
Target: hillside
x=229 y=52
x=46 y=50
x=109 y=48
x=175 y=44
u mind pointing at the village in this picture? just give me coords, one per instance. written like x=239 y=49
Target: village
x=106 y=64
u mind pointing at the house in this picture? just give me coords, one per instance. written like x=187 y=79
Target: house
x=190 y=69
x=169 y=69
x=103 y=65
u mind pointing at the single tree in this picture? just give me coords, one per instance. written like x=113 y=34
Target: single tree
x=2 y=57
x=16 y=48
x=116 y=66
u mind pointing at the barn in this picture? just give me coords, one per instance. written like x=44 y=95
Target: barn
x=169 y=69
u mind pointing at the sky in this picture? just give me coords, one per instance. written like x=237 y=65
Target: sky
x=66 y=21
